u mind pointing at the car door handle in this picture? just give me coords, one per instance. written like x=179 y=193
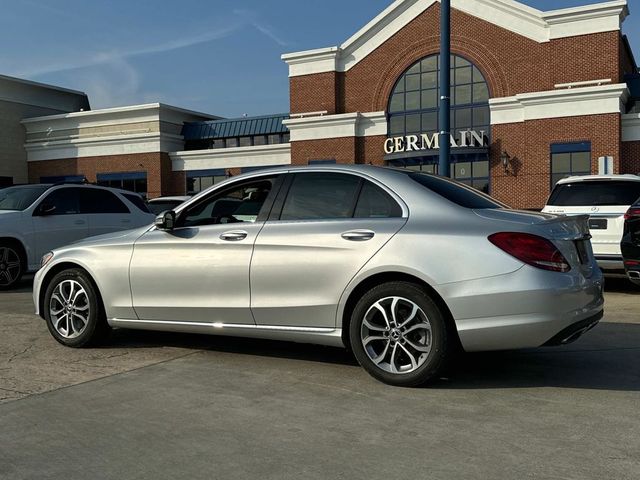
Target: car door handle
x=358 y=235
x=79 y=222
x=234 y=236
x=125 y=221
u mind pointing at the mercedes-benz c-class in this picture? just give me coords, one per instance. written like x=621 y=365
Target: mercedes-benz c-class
x=399 y=266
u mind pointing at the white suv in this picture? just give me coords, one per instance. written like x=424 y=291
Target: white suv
x=35 y=219
x=605 y=198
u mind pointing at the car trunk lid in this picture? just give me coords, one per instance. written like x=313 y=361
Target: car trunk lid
x=570 y=234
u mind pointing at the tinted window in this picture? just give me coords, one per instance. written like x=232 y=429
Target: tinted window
x=455 y=192
x=94 y=200
x=65 y=201
x=593 y=193
x=233 y=205
x=20 y=198
x=321 y=195
x=137 y=201
x=376 y=203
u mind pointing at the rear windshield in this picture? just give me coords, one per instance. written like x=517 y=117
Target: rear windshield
x=20 y=198
x=594 y=193
x=455 y=192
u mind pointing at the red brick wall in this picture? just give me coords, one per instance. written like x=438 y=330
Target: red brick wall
x=314 y=93
x=630 y=157
x=529 y=145
x=160 y=179
x=511 y=63
x=343 y=150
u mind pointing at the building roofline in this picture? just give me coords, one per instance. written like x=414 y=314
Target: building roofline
x=509 y=14
x=239 y=119
x=41 y=85
x=128 y=108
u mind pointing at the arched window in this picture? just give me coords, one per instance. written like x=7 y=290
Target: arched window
x=413 y=110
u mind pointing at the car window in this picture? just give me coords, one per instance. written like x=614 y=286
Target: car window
x=163 y=205
x=239 y=204
x=315 y=196
x=376 y=203
x=594 y=193
x=137 y=201
x=456 y=192
x=64 y=200
x=95 y=200
x=20 y=198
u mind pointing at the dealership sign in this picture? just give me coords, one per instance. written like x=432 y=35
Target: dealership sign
x=415 y=143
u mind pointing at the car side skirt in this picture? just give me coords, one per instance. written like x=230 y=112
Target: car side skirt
x=331 y=337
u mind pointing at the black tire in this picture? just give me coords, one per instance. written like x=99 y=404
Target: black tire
x=435 y=344
x=95 y=329
x=12 y=264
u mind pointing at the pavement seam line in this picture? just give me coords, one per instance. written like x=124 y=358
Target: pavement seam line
x=101 y=378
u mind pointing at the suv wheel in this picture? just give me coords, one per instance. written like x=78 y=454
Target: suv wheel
x=11 y=265
x=399 y=335
x=73 y=310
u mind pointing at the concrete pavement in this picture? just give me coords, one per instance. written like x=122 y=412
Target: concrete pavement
x=180 y=406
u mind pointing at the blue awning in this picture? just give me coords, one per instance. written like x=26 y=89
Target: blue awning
x=238 y=127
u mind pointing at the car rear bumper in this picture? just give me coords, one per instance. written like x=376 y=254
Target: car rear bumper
x=524 y=309
x=610 y=263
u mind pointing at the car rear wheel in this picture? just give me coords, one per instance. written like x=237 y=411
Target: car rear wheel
x=399 y=335
x=12 y=265
x=73 y=310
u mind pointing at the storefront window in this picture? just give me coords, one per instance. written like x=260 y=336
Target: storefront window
x=200 y=180
x=413 y=105
x=413 y=110
x=132 y=181
x=570 y=159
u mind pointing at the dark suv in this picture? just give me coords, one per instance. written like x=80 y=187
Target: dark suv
x=630 y=244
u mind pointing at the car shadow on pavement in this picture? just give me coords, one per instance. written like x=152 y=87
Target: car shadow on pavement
x=607 y=358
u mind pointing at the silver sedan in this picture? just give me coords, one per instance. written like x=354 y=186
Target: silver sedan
x=399 y=266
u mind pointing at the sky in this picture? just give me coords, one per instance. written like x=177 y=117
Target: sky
x=215 y=56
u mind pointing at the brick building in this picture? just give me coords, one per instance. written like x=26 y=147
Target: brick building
x=536 y=96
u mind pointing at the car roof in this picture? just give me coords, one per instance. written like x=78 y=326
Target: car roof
x=591 y=178
x=80 y=185
x=375 y=171
x=175 y=198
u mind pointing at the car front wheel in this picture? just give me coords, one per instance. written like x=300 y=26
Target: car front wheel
x=73 y=310
x=399 y=335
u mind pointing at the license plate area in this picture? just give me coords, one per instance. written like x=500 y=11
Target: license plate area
x=598 y=224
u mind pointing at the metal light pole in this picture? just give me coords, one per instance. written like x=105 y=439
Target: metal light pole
x=445 y=88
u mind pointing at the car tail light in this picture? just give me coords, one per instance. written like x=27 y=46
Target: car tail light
x=633 y=212
x=532 y=250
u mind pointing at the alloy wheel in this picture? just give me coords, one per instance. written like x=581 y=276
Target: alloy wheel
x=396 y=335
x=10 y=266
x=69 y=309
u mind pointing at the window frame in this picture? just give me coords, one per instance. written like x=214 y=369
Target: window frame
x=36 y=211
x=570 y=148
x=278 y=206
x=264 y=213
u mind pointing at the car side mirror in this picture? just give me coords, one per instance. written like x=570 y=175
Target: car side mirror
x=166 y=220
x=46 y=209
